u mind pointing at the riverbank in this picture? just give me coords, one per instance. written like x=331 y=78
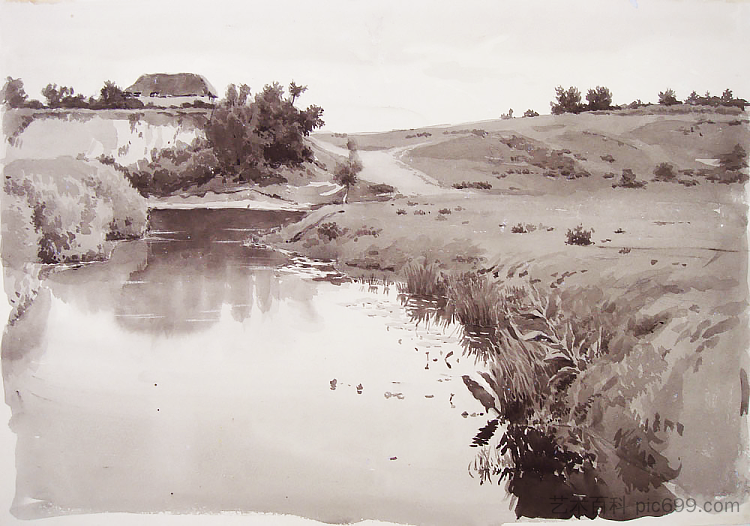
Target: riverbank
x=662 y=283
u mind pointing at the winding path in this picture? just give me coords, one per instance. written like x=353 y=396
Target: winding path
x=383 y=166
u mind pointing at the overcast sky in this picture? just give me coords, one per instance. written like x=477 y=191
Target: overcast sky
x=381 y=65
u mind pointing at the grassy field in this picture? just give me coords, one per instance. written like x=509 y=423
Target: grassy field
x=617 y=367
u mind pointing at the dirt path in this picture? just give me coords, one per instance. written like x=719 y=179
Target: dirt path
x=384 y=166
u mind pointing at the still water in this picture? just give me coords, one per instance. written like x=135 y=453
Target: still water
x=199 y=371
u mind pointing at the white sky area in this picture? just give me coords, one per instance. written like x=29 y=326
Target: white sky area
x=383 y=65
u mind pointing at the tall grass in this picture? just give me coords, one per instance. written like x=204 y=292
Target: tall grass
x=562 y=366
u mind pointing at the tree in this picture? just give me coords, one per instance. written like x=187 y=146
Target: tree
x=295 y=91
x=232 y=97
x=568 y=101
x=346 y=172
x=530 y=113
x=250 y=140
x=668 y=98
x=599 y=98
x=64 y=97
x=727 y=96
x=692 y=98
x=13 y=93
x=243 y=95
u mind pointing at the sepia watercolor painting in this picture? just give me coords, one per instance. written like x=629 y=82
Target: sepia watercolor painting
x=426 y=263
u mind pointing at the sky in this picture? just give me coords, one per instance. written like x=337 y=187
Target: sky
x=385 y=64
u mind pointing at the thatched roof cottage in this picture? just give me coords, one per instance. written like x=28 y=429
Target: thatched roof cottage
x=172 y=85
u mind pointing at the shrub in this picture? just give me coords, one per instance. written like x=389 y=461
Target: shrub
x=628 y=180
x=520 y=228
x=479 y=185
x=530 y=113
x=599 y=98
x=608 y=158
x=172 y=169
x=419 y=212
x=444 y=211
x=382 y=188
x=568 y=101
x=579 y=236
x=401 y=212
x=668 y=98
x=664 y=172
x=330 y=230
x=63 y=210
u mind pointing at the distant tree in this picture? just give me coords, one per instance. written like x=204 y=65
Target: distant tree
x=13 y=93
x=727 y=96
x=295 y=91
x=508 y=115
x=111 y=96
x=693 y=98
x=568 y=101
x=345 y=173
x=530 y=113
x=232 y=96
x=668 y=98
x=599 y=98
x=64 y=97
x=243 y=95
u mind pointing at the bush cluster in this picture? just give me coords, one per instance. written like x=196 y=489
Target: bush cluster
x=64 y=210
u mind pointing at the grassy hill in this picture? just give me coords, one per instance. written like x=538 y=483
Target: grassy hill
x=588 y=151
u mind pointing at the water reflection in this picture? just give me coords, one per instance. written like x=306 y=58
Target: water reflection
x=194 y=371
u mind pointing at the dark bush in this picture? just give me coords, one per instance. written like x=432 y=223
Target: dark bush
x=608 y=158
x=579 y=236
x=668 y=98
x=330 y=230
x=567 y=101
x=530 y=113
x=599 y=98
x=664 y=172
x=179 y=167
x=479 y=185
x=382 y=188
x=250 y=139
x=444 y=211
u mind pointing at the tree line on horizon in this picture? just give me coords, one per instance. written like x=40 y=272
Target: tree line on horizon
x=600 y=98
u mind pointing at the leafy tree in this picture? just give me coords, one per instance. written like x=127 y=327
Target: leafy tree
x=13 y=93
x=668 y=98
x=64 y=97
x=346 y=173
x=232 y=96
x=727 y=96
x=599 y=98
x=568 y=101
x=530 y=113
x=249 y=140
x=295 y=91
x=243 y=95
x=693 y=98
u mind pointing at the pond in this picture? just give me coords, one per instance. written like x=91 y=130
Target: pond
x=200 y=371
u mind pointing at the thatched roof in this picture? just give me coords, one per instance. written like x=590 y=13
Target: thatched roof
x=172 y=85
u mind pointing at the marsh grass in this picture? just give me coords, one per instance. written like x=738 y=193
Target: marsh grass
x=560 y=364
